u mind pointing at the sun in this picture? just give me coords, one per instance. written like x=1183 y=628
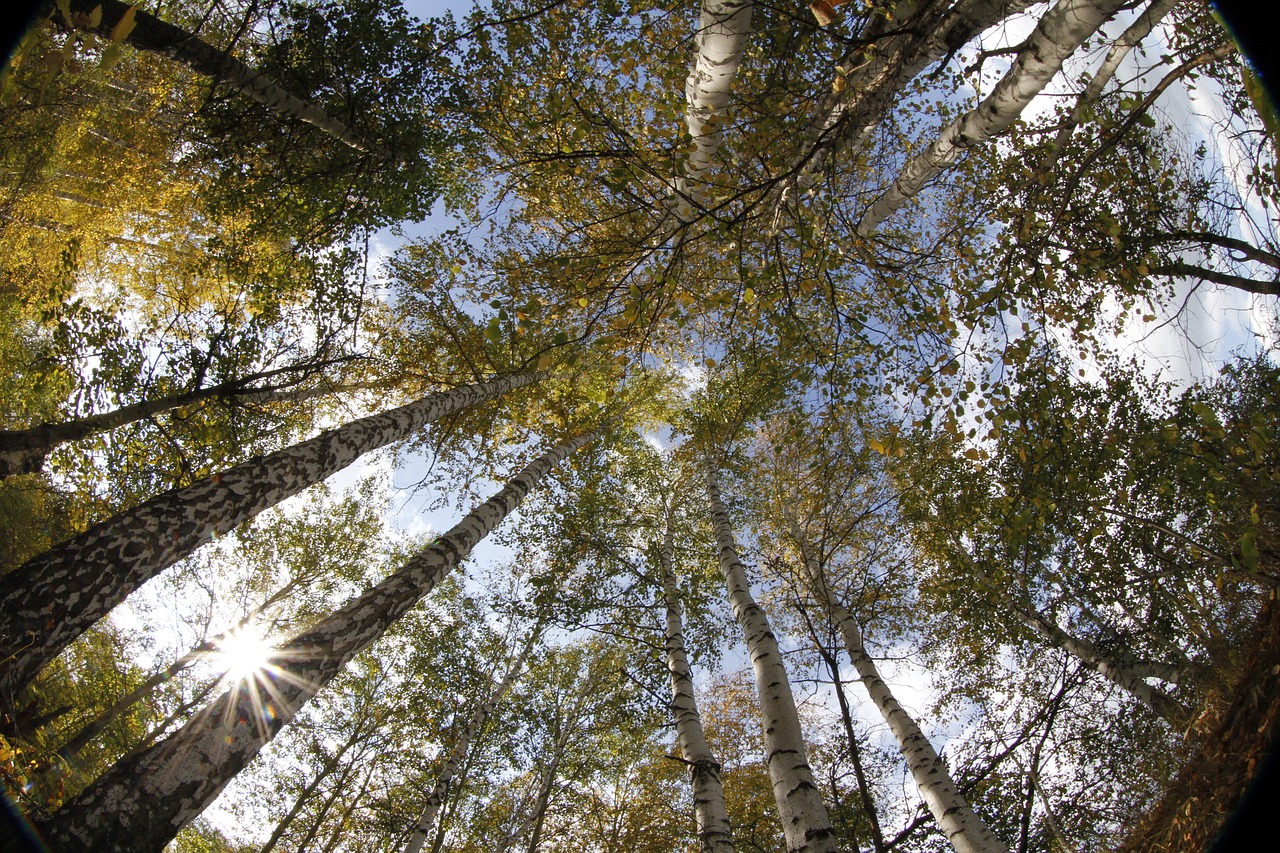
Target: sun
x=243 y=654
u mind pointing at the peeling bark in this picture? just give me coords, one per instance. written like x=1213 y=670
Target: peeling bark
x=57 y=596
x=1060 y=32
x=715 y=834
x=143 y=801
x=805 y=822
x=953 y=814
x=459 y=752
x=151 y=34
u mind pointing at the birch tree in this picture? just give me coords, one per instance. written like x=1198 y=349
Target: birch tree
x=955 y=817
x=714 y=830
x=58 y=595
x=804 y=816
x=1057 y=36
x=462 y=742
x=146 y=799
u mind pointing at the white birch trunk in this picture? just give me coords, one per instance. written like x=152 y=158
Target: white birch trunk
x=1131 y=678
x=152 y=34
x=723 y=29
x=805 y=823
x=715 y=835
x=23 y=451
x=57 y=596
x=1063 y=29
x=1129 y=39
x=141 y=803
x=871 y=81
x=459 y=752
x=952 y=813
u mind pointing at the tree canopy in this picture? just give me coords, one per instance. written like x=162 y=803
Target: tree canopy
x=636 y=425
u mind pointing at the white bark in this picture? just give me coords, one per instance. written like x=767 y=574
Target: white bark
x=1129 y=677
x=951 y=811
x=805 y=823
x=871 y=80
x=143 y=801
x=715 y=834
x=57 y=596
x=723 y=29
x=1129 y=39
x=460 y=747
x=1063 y=29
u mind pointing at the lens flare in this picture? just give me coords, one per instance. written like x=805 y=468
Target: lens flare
x=243 y=654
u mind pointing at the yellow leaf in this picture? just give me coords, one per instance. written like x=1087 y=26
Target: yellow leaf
x=124 y=26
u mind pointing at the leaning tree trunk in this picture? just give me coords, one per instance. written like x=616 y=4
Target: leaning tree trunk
x=714 y=832
x=871 y=78
x=953 y=814
x=463 y=743
x=23 y=451
x=805 y=822
x=143 y=801
x=1063 y=29
x=1129 y=39
x=151 y=34
x=1131 y=677
x=58 y=595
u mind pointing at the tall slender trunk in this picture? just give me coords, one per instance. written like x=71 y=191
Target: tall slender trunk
x=1060 y=32
x=714 y=832
x=463 y=743
x=855 y=751
x=723 y=28
x=805 y=822
x=23 y=451
x=57 y=596
x=142 y=802
x=151 y=34
x=1131 y=677
x=871 y=78
x=545 y=786
x=953 y=814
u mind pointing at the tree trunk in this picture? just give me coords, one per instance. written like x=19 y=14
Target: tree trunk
x=546 y=786
x=723 y=28
x=1129 y=39
x=805 y=822
x=142 y=802
x=1063 y=29
x=953 y=814
x=871 y=78
x=23 y=451
x=58 y=595
x=460 y=747
x=714 y=832
x=326 y=770
x=1131 y=678
x=151 y=34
